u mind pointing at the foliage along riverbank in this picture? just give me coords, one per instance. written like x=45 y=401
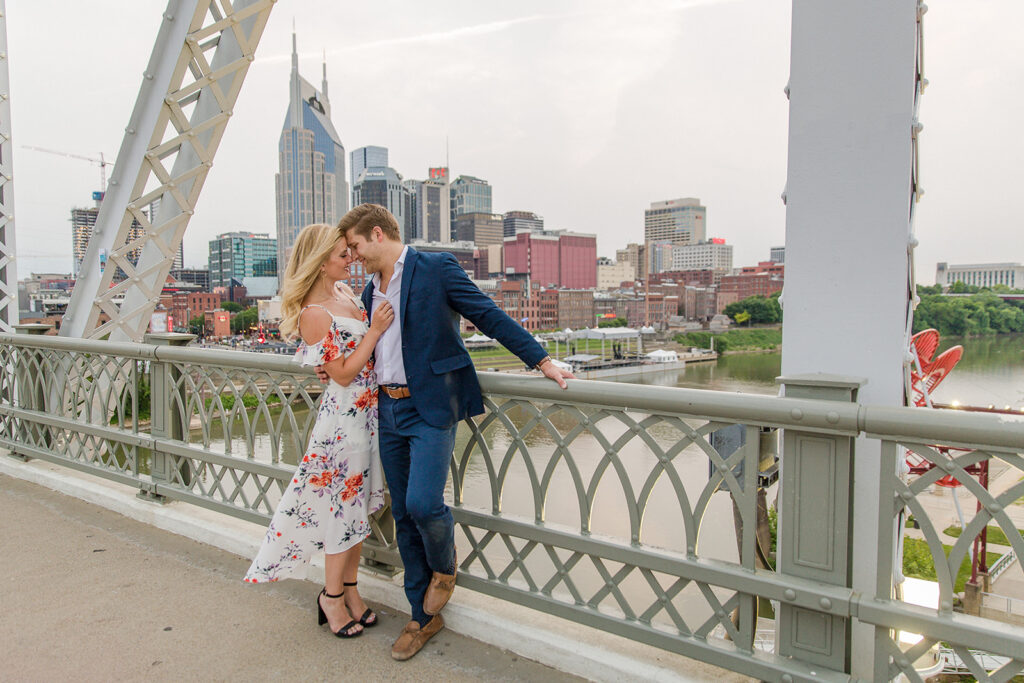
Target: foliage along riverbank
x=980 y=313
x=753 y=339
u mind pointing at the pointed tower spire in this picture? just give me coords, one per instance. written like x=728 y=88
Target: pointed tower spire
x=326 y=101
x=295 y=86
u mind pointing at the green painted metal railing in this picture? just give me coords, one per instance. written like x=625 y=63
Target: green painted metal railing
x=605 y=504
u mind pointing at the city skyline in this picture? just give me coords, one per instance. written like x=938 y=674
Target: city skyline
x=575 y=141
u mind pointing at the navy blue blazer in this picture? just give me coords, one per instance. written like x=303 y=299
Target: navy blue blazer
x=441 y=377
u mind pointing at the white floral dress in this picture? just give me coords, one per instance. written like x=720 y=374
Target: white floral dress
x=338 y=483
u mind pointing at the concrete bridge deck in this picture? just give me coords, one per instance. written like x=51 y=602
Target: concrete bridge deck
x=94 y=595
x=102 y=586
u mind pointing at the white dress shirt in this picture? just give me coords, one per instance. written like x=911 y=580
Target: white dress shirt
x=390 y=365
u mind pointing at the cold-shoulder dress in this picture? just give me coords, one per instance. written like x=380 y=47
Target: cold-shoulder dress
x=338 y=483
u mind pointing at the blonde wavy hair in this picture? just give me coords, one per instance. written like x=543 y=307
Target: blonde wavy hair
x=312 y=247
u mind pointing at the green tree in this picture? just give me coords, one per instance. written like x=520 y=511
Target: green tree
x=244 y=320
x=232 y=306
x=612 y=322
x=196 y=324
x=762 y=310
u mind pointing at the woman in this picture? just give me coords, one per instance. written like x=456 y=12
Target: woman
x=338 y=484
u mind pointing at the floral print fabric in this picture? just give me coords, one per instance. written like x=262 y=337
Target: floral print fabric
x=338 y=483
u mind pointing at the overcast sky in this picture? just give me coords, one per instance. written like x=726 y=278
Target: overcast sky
x=583 y=112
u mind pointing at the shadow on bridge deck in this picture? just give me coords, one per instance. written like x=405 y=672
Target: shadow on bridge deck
x=94 y=595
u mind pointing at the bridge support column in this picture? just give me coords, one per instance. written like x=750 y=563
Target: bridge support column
x=815 y=525
x=849 y=196
x=167 y=398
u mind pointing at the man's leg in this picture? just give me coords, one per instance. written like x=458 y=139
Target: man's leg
x=394 y=456
x=430 y=452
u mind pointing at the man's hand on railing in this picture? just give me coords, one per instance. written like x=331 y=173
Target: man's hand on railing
x=553 y=372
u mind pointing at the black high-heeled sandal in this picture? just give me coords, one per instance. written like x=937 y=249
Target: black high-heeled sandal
x=368 y=614
x=322 y=617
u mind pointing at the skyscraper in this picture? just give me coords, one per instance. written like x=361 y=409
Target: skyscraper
x=311 y=185
x=242 y=255
x=82 y=222
x=678 y=221
x=470 y=195
x=522 y=220
x=365 y=157
x=383 y=185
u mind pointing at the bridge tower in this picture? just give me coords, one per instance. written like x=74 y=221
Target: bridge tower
x=8 y=271
x=202 y=54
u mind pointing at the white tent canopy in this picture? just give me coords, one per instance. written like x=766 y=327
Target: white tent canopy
x=607 y=333
x=477 y=339
x=663 y=356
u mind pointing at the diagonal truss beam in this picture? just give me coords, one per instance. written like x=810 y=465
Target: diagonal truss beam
x=189 y=89
x=8 y=273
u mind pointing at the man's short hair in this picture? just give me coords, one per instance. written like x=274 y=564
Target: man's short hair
x=363 y=218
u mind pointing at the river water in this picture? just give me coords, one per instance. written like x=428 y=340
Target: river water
x=991 y=372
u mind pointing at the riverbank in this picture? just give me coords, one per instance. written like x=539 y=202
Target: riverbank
x=754 y=339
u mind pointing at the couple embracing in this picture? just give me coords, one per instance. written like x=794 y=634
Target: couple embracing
x=399 y=381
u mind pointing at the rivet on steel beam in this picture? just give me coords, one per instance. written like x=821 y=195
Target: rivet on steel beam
x=946 y=606
x=169 y=100
x=208 y=164
x=169 y=17
x=832 y=417
x=114 y=181
x=786 y=678
x=796 y=414
x=228 y=113
x=129 y=130
x=190 y=212
x=906 y=495
x=825 y=603
x=789 y=594
x=148 y=76
x=902 y=662
x=995 y=508
x=250 y=57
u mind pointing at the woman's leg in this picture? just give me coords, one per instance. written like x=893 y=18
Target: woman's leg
x=353 y=600
x=334 y=583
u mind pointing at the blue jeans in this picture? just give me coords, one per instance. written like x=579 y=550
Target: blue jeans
x=415 y=456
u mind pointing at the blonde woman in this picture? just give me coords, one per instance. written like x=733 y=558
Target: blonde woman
x=338 y=484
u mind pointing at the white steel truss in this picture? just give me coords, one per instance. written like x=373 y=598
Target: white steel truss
x=200 y=59
x=8 y=272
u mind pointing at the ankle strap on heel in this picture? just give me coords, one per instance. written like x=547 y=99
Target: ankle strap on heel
x=328 y=595
x=354 y=583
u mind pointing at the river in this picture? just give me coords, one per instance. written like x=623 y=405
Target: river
x=991 y=372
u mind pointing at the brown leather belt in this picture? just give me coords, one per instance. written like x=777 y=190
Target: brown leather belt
x=395 y=392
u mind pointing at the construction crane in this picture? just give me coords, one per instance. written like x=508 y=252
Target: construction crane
x=101 y=162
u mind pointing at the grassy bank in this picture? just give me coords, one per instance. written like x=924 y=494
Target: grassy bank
x=753 y=339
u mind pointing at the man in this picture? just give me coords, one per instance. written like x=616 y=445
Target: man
x=427 y=385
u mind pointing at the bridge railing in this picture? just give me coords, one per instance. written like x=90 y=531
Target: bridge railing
x=612 y=505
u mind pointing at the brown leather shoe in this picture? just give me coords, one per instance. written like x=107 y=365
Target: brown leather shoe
x=413 y=638
x=439 y=591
